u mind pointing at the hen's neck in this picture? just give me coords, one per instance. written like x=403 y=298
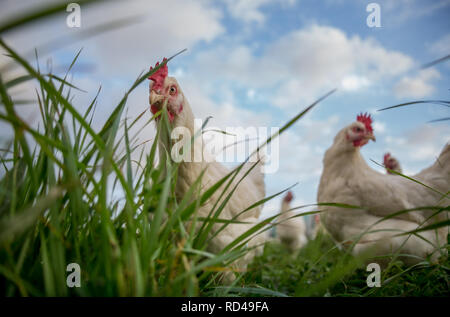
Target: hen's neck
x=285 y=206
x=185 y=118
x=343 y=157
x=188 y=170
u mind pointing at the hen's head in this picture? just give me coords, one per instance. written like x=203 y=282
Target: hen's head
x=164 y=88
x=391 y=163
x=317 y=219
x=289 y=196
x=360 y=131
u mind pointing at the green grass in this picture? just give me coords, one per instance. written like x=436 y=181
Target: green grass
x=57 y=207
x=299 y=274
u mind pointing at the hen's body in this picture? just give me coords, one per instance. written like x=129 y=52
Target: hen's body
x=348 y=179
x=250 y=190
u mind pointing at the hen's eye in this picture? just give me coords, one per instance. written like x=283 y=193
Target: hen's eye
x=173 y=90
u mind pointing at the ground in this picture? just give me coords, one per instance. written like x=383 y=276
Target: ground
x=320 y=269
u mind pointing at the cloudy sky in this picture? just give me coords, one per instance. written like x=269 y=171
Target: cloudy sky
x=258 y=63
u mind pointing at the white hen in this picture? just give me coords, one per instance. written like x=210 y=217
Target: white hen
x=250 y=190
x=347 y=179
x=291 y=230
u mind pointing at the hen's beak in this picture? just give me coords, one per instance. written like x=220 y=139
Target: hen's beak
x=155 y=98
x=370 y=136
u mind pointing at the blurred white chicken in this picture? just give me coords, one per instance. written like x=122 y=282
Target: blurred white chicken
x=250 y=190
x=290 y=231
x=347 y=179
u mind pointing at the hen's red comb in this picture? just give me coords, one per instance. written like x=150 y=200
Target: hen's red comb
x=317 y=219
x=159 y=76
x=367 y=120
x=288 y=196
x=386 y=158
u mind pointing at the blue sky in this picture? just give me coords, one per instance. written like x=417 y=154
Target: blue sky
x=258 y=63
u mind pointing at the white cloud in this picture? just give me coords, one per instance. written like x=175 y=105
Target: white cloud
x=419 y=147
x=301 y=152
x=164 y=28
x=250 y=11
x=353 y=82
x=379 y=127
x=395 y=141
x=121 y=55
x=441 y=47
x=407 y=11
x=225 y=112
x=418 y=86
x=320 y=57
x=168 y=27
x=425 y=152
x=294 y=69
x=304 y=64
x=427 y=133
